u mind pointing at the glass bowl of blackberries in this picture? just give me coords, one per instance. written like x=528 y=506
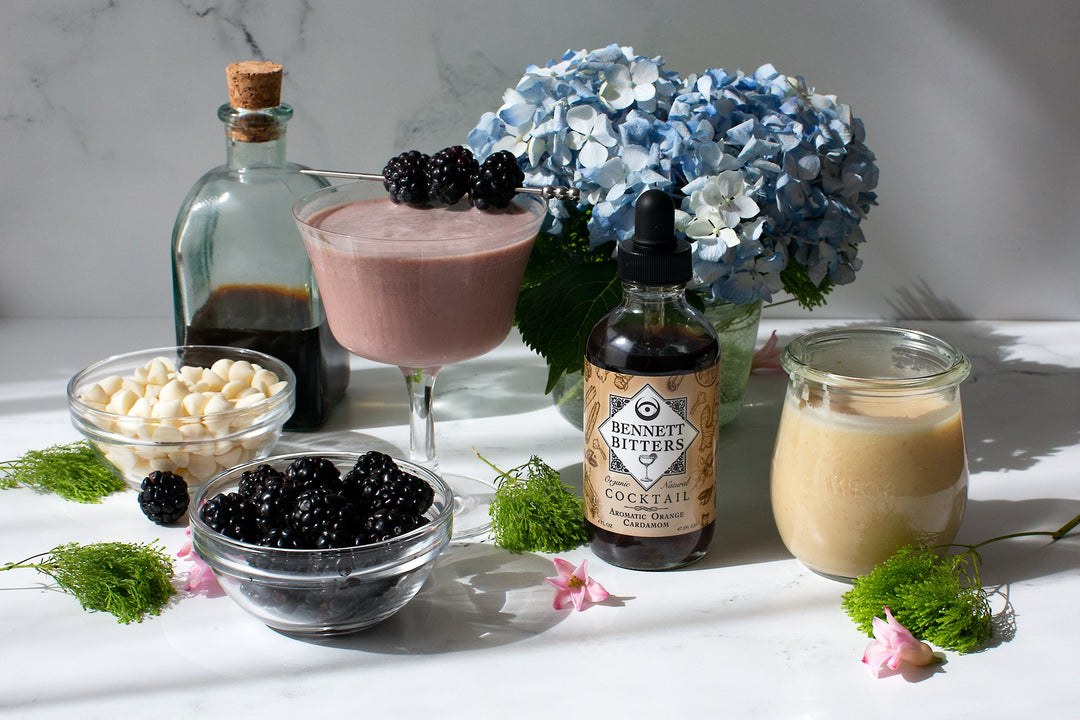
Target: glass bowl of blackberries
x=322 y=544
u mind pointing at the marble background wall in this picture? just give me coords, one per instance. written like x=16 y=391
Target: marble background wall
x=108 y=115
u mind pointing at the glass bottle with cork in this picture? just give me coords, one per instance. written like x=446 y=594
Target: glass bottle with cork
x=652 y=370
x=241 y=276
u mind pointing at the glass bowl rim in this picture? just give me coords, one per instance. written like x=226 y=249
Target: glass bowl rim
x=438 y=525
x=265 y=412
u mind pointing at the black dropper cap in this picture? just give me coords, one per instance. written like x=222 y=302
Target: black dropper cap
x=654 y=256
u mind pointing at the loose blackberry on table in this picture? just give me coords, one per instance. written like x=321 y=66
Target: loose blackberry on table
x=163 y=497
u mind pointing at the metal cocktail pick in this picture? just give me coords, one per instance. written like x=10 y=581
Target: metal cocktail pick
x=548 y=192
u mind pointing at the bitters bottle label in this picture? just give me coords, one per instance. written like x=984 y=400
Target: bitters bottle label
x=650 y=451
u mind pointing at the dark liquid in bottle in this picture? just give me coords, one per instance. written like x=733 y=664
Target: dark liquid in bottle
x=270 y=320
x=670 y=350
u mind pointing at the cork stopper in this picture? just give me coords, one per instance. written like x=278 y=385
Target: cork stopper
x=254 y=85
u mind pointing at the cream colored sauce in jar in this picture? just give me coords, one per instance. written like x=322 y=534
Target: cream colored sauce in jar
x=869 y=454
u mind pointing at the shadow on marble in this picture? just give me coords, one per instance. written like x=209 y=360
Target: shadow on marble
x=919 y=300
x=344 y=441
x=485 y=387
x=1025 y=558
x=478 y=596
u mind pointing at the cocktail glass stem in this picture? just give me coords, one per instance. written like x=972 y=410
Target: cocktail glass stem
x=421 y=385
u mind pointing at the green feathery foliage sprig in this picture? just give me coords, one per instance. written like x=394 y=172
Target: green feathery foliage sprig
x=71 y=471
x=938 y=597
x=126 y=580
x=533 y=511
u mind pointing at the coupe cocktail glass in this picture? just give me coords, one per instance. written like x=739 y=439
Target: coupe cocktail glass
x=419 y=288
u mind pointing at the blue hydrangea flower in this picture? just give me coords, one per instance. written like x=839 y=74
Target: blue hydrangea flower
x=769 y=171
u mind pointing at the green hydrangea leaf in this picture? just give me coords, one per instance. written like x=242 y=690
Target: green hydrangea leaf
x=556 y=316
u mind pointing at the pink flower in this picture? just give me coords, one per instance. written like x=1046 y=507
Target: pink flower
x=200 y=578
x=768 y=356
x=574 y=586
x=893 y=644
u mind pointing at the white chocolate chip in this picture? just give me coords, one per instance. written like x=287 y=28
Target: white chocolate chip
x=157 y=372
x=202 y=467
x=221 y=367
x=213 y=381
x=167 y=434
x=191 y=374
x=121 y=457
x=233 y=388
x=241 y=371
x=194 y=431
x=96 y=394
x=112 y=383
x=262 y=380
x=161 y=463
x=278 y=387
x=122 y=400
x=173 y=390
x=247 y=399
x=180 y=458
x=194 y=403
x=167 y=409
x=230 y=458
x=134 y=385
x=216 y=403
x=143 y=407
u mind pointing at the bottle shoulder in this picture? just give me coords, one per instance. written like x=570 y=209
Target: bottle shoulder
x=621 y=341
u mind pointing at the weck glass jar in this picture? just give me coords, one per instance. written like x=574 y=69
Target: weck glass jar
x=869 y=454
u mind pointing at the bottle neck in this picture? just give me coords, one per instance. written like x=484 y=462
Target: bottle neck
x=255 y=138
x=636 y=293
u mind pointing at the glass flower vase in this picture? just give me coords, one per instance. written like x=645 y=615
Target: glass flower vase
x=737 y=328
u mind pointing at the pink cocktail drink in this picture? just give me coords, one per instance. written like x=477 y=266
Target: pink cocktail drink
x=420 y=287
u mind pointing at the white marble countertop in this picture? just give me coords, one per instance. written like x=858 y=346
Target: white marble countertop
x=746 y=632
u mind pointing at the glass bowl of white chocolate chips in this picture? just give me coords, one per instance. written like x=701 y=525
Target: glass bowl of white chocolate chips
x=194 y=410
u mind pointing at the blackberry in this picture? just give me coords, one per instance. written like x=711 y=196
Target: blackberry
x=376 y=482
x=252 y=482
x=388 y=523
x=309 y=473
x=342 y=534
x=321 y=511
x=401 y=491
x=372 y=461
x=163 y=497
x=497 y=182
x=361 y=483
x=273 y=499
x=280 y=537
x=231 y=514
x=405 y=177
x=450 y=172
x=360 y=489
